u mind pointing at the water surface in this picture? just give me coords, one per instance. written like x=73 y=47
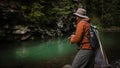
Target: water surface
x=53 y=53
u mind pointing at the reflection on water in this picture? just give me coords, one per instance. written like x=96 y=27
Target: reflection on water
x=53 y=53
x=21 y=52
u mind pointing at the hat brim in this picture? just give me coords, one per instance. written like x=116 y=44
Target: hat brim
x=80 y=15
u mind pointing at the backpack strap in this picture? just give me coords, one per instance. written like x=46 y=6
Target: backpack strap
x=92 y=30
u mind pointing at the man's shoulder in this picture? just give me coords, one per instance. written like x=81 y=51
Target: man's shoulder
x=84 y=22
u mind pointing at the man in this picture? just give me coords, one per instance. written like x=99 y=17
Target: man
x=84 y=57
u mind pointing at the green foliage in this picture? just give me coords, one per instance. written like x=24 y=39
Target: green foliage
x=23 y=7
x=45 y=11
x=35 y=12
x=96 y=21
x=107 y=20
x=49 y=11
x=106 y=10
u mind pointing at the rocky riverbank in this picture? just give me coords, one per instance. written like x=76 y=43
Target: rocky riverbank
x=32 y=32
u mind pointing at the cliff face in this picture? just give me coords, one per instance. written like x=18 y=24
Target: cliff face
x=31 y=20
x=31 y=31
x=14 y=28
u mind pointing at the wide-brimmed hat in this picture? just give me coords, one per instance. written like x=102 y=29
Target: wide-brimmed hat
x=81 y=13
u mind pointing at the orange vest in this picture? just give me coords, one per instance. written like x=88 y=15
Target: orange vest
x=82 y=31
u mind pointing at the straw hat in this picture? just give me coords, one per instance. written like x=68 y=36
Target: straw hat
x=81 y=13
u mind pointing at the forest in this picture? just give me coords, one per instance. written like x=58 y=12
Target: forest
x=42 y=19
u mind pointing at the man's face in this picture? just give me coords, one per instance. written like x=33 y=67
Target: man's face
x=77 y=18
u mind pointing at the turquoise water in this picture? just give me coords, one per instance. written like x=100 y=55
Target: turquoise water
x=45 y=50
x=36 y=51
x=54 y=52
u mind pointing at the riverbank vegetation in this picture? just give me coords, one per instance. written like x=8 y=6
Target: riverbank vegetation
x=41 y=19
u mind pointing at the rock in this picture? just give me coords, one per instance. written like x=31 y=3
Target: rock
x=66 y=66
x=60 y=24
x=20 y=29
x=25 y=37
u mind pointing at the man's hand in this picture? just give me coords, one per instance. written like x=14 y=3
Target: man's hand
x=71 y=37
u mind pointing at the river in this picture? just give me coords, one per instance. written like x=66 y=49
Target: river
x=53 y=53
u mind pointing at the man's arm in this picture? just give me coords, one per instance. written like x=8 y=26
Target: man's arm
x=78 y=33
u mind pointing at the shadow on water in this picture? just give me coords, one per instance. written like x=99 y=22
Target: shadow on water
x=53 y=53
x=110 y=41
